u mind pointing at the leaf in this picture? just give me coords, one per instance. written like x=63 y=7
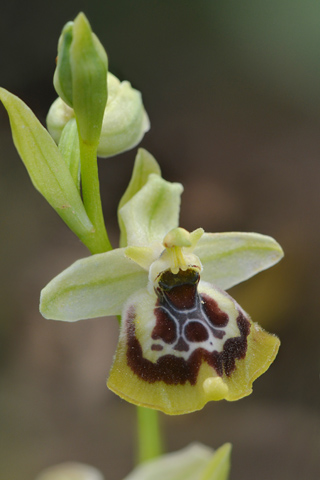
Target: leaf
x=45 y=165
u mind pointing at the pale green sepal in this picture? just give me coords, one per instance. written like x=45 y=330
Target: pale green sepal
x=219 y=466
x=92 y=287
x=231 y=258
x=125 y=120
x=45 y=165
x=89 y=65
x=191 y=463
x=70 y=150
x=144 y=165
x=152 y=212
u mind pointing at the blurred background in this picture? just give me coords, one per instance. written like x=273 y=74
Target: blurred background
x=232 y=89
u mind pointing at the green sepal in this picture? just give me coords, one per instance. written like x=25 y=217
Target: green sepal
x=152 y=212
x=232 y=257
x=92 y=287
x=144 y=165
x=70 y=150
x=194 y=462
x=47 y=169
x=62 y=78
x=219 y=466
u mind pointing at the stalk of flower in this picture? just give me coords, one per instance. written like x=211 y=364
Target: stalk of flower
x=183 y=341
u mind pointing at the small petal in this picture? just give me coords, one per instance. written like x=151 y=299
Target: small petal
x=152 y=212
x=144 y=256
x=92 y=287
x=231 y=258
x=195 y=237
x=194 y=462
x=187 y=345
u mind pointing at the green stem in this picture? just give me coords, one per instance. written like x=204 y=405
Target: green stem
x=149 y=435
x=93 y=243
x=91 y=197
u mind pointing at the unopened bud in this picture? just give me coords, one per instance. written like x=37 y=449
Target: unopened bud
x=80 y=76
x=125 y=120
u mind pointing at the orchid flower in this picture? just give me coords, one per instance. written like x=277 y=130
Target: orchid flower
x=183 y=340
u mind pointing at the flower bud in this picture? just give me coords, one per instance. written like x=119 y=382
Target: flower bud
x=80 y=76
x=125 y=120
x=71 y=471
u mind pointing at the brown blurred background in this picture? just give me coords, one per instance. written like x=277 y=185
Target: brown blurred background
x=233 y=93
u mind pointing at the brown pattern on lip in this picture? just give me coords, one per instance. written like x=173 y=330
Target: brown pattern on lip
x=174 y=370
x=196 y=332
x=156 y=348
x=165 y=328
x=217 y=317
